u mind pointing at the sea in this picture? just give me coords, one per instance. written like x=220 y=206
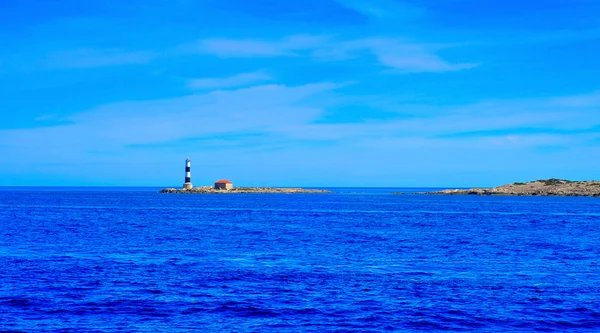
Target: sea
x=356 y=260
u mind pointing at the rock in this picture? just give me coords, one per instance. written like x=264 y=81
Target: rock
x=212 y=190
x=548 y=187
x=168 y=190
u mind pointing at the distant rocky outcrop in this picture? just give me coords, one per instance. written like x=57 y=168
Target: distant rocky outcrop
x=548 y=187
x=212 y=190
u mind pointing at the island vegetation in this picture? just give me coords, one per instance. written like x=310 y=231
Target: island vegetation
x=547 y=187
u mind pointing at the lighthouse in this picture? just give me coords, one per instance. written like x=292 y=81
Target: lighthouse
x=188 y=175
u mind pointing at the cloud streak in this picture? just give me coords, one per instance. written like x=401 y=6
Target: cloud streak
x=90 y=58
x=292 y=113
x=238 y=80
x=580 y=101
x=399 y=56
x=383 y=9
x=113 y=126
x=241 y=48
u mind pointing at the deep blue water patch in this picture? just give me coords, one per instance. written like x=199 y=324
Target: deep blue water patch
x=102 y=260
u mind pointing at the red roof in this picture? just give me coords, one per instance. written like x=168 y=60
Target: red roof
x=223 y=181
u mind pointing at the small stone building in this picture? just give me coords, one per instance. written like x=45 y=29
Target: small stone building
x=223 y=184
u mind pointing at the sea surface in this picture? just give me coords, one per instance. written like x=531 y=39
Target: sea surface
x=358 y=260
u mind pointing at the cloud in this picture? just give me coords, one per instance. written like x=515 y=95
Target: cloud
x=89 y=58
x=46 y=117
x=469 y=124
x=279 y=115
x=402 y=57
x=399 y=56
x=382 y=9
x=111 y=127
x=238 y=80
x=579 y=101
x=524 y=131
x=233 y=48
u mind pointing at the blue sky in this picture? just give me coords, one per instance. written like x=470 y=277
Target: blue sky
x=299 y=93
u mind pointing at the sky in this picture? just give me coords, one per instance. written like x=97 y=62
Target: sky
x=393 y=93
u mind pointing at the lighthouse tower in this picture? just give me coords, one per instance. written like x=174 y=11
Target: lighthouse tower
x=188 y=175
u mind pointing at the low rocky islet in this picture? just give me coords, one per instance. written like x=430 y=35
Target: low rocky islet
x=238 y=190
x=548 y=187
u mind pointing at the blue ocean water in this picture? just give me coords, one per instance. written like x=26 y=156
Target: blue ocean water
x=358 y=260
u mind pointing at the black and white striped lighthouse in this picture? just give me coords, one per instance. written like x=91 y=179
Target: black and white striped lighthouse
x=188 y=175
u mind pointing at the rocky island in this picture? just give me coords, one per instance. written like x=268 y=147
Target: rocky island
x=237 y=190
x=548 y=187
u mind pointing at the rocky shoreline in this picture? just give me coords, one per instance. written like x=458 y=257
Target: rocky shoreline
x=237 y=190
x=548 y=187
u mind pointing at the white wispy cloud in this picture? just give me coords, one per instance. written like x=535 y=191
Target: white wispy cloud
x=400 y=56
x=46 y=117
x=585 y=100
x=113 y=126
x=292 y=112
x=238 y=80
x=234 y=48
x=381 y=9
x=89 y=58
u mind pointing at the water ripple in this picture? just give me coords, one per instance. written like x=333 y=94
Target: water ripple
x=136 y=261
